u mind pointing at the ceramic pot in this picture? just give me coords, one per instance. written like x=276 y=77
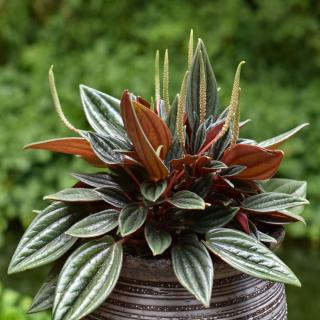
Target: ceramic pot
x=148 y=290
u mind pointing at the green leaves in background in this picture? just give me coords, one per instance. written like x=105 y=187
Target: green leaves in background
x=272 y=201
x=131 y=218
x=193 y=267
x=113 y=196
x=153 y=190
x=187 y=200
x=193 y=88
x=158 y=240
x=212 y=217
x=45 y=239
x=75 y=195
x=79 y=293
x=248 y=255
x=95 y=224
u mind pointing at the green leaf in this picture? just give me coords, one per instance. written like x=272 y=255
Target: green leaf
x=153 y=190
x=75 y=195
x=293 y=187
x=263 y=237
x=95 y=224
x=171 y=119
x=102 y=111
x=87 y=278
x=272 y=201
x=232 y=170
x=158 y=240
x=193 y=267
x=113 y=196
x=275 y=142
x=193 y=86
x=212 y=217
x=187 y=200
x=131 y=218
x=248 y=255
x=97 y=180
x=104 y=149
x=202 y=185
x=45 y=239
x=45 y=296
x=216 y=165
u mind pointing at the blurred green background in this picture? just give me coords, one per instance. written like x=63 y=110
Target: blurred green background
x=110 y=46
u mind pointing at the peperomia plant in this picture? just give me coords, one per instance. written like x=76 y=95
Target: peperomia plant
x=175 y=180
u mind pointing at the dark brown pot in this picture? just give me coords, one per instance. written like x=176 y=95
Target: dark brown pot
x=148 y=290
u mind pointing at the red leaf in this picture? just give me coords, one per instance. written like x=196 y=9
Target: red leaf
x=144 y=102
x=243 y=221
x=261 y=163
x=74 y=146
x=275 y=217
x=134 y=126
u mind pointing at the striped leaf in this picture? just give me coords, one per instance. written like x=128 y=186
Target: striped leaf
x=75 y=195
x=153 y=190
x=272 y=201
x=45 y=239
x=248 y=255
x=95 y=224
x=87 y=278
x=113 y=196
x=131 y=218
x=158 y=240
x=193 y=267
x=187 y=200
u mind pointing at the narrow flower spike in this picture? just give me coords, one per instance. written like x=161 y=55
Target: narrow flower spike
x=181 y=109
x=157 y=77
x=166 y=82
x=190 y=49
x=234 y=105
x=57 y=104
x=202 y=90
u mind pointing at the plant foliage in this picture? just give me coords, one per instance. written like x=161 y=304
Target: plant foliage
x=176 y=183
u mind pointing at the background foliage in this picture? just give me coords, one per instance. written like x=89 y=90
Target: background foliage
x=110 y=45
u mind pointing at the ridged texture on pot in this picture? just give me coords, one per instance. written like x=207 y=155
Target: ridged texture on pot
x=148 y=290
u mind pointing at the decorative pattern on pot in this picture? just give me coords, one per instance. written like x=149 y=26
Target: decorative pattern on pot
x=149 y=291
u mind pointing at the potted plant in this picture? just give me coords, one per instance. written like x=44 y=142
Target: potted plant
x=182 y=217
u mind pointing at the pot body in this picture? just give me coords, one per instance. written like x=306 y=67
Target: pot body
x=148 y=290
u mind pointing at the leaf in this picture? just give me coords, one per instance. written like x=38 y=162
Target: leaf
x=276 y=142
x=171 y=119
x=272 y=201
x=131 y=218
x=97 y=180
x=233 y=170
x=187 y=200
x=104 y=150
x=45 y=296
x=202 y=185
x=45 y=240
x=193 y=85
x=158 y=240
x=293 y=187
x=75 y=195
x=213 y=217
x=74 y=146
x=193 y=267
x=199 y=138
x=102 y=112
x=95 y=224
x=152 y=191
x=248 y=255
x=276 y=217
x=87 y=278
x=263 y=237
x=150 y=160
x=113 y=196
x=261 y=164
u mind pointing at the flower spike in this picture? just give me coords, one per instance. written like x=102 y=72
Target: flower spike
x=190 y=49
x=181 y=109
x=166 y=81
x=57 y=104
x=157 y=77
